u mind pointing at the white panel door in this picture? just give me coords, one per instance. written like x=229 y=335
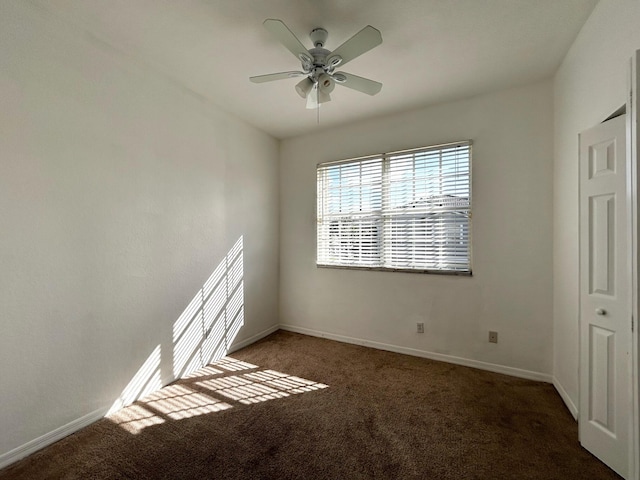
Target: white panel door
x=605 y=289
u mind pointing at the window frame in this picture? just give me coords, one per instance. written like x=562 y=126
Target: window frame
x=385 y=160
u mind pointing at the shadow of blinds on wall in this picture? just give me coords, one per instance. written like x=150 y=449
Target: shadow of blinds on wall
x=408 y=210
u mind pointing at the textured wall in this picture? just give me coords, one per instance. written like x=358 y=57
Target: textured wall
x=511 y=289
x=590 y=84
x=120 y=194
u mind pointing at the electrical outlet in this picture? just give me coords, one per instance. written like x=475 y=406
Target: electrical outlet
x=493 y=337
x=420 y=327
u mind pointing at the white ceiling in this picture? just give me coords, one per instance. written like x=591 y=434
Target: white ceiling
x=433 y=50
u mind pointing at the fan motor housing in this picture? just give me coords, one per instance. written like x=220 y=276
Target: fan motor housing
x=319 y=36
x=319 y=55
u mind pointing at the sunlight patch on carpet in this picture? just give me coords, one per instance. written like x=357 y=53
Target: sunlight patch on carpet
x=134 y=418
x=178 y=402
x=207 y=371
x=260 y=386
x=223 y=385
x=233 y=365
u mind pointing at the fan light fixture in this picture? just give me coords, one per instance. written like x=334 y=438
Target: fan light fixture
x=326 y=83
x=304 y=87
x=316 y=91
x=318 y=64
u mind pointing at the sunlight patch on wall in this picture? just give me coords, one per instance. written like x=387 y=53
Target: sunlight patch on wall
x=203 y=332
x=146 y=380
x=213 y=318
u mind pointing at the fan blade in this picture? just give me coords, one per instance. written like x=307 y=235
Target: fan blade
x=275 y=76
x=360 y=43
x=360 y=84
x=286 y=37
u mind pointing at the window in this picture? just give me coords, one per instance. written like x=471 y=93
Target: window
x=408 y=210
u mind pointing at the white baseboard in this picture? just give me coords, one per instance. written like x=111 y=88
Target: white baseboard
x=253 y=339
x=491 y=367
x=566 y=398
x=48 y=438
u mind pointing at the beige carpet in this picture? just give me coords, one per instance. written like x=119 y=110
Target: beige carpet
x=298 y=407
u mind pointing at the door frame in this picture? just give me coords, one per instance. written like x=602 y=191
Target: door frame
x=633 y=237
x=633 y=180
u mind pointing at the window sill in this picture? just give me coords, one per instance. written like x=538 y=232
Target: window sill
x=401 y=270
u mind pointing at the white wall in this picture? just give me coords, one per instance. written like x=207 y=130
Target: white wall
x=590 y=84
x=120 y=192
x=511 y=289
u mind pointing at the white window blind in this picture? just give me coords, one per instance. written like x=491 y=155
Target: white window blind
x=407 y=210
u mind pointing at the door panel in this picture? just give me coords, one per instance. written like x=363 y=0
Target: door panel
x=605 y=315
x=602 y=378
x=601 y=244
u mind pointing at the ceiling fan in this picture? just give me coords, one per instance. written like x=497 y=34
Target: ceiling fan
x=319 y=64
